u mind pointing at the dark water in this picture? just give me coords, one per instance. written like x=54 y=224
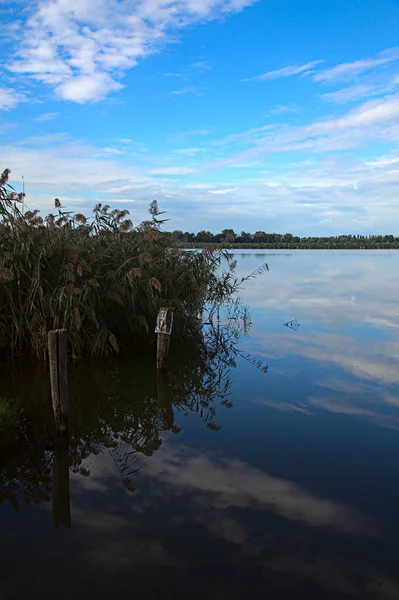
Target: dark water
x=221 y=480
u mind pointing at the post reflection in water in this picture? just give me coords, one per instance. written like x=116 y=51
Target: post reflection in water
x=61 y=499
x=166 y=414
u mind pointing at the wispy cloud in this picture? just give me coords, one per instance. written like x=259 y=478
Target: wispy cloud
x=201 y=66
x=47 y=117
x=48 y=138
x=286 y=71
x=283 y=109
x=171 y=171
x=188 y=151
x=352 y=93
x=114 y=151
x=372 y=120
x=10 y=98
x=184 y=91
x=189 y=71
x=348 y=70
x=175 y=75
x=201 y=131
x=81 y=49
x=224 y=191
x=369 y=114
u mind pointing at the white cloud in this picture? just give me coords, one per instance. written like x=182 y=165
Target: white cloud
x=73 y=165
x=371 y=113
x=351 y=69
x=114 y=151
x=224 y=191
x=286 y=71
x=10 y=98
x=384 y=161
x=199 y=186
x=86 y=88
x=82 y=48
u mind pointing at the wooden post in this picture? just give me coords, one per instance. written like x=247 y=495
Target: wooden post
x=163 y=331
x=61 y=500
x=57 y=349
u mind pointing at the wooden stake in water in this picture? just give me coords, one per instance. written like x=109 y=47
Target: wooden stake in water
x=163 y=330
x=57 y=350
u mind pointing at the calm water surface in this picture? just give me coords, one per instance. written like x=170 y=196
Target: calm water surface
x=221 y=480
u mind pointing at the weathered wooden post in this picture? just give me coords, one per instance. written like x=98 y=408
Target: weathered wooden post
x=61 y=500
x=163 y=330
x=57 y=350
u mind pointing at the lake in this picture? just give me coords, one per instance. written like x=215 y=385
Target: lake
x=263 y=467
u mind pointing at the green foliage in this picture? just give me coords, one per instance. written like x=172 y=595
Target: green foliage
x=101 y=279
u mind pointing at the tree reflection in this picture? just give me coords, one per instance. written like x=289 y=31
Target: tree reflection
x=120 y=407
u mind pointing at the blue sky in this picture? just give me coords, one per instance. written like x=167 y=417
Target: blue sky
x=275 y=115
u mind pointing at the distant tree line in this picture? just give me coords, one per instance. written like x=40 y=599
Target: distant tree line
x=261 y=239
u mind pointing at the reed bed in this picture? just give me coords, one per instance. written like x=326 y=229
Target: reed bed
x=101 y=278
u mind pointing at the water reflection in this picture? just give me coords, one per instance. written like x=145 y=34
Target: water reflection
x=222 y=483
x=334 y=289
x=26 y=473
x=116 y=408
x=343 y=358
x=166 y=414
x=61 y=499
x=215 y=479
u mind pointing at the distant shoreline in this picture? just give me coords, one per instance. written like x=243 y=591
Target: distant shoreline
x=326 y=246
